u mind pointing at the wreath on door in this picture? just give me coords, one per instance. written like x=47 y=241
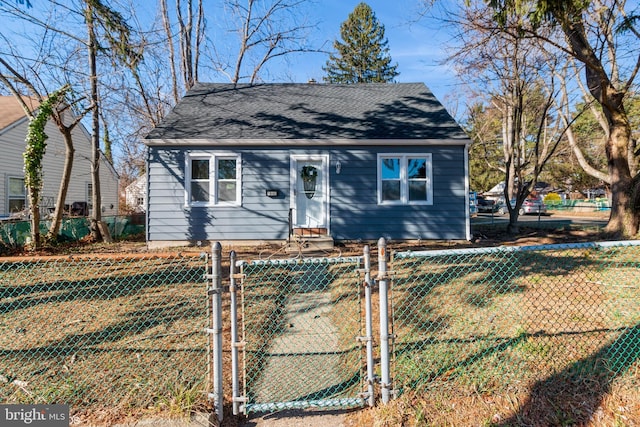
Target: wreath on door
x=309 y=175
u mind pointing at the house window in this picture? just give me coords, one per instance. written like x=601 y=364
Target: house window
x=212 y=180
x=89 y=193
x=200 y=180
x=89 y=197
x=404 y=179
x=226 y=180
x=17 y=195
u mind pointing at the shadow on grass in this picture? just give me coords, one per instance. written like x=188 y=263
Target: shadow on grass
x=103 y=282
x=496 y=345
x=129 y=330
x=500 y=345
x=573 y=395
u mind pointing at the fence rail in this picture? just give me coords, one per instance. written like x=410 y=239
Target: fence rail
x=106 y=335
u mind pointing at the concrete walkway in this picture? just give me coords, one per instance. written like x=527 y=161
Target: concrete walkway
x=304 y=358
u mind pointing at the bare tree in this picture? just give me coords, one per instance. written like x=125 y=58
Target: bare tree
x=175 y=48
x=269 y=30
x=519 y=82
x=172 y=55
x=104 y=22
x=602 y=36
x=567 y=115
x=189 y=48
x=107 y=38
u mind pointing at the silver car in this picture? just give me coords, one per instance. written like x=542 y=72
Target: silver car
x=531 y=206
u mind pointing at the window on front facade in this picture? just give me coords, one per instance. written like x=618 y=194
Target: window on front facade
x=404 y=179
x=227 y=185
x=213 y=180
x=199 y=180
x=17 y=194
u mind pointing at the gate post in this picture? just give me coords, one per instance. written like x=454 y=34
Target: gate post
x=234 y=335
x=215 y=292
x=368 y=325
x=383 y=291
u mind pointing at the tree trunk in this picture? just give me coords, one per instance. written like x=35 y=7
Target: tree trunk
x=169 y=34
x=54 y=228
x=625 y=215
x=35 y=219
x=186 y=34
x=95 y=129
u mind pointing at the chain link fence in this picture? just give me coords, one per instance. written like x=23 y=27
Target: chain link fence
x=509 y=319
x=301 y=323
x=120 y=335
x=109 y=335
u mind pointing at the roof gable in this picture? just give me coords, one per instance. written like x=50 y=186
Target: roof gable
x=11 y=111
x=384 y=111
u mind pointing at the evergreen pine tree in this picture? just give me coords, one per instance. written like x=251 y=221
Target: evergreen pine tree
x=363 y=55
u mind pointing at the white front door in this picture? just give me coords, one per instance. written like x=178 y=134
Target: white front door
x=310 y=189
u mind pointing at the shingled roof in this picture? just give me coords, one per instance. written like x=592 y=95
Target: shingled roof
x=397 y=111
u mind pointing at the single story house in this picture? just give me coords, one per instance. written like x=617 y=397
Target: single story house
x=263 y=162
x=13 y=195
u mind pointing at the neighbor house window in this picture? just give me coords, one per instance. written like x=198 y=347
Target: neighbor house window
x=17 y=194
x=212 y=180
x=404 y=179
x=89 y=196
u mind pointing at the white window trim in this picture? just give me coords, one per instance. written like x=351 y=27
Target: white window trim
x=404 y=181
x=213 y=179
x=10 y=197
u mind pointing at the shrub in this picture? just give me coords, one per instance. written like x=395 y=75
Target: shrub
x=552 y=199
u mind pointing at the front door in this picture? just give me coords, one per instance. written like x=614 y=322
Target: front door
x=310 y=189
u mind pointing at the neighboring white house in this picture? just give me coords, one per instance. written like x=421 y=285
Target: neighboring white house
x=496 y=191
x=13 y=195
x=136 y=195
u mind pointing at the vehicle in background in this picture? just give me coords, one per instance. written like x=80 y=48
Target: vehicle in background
x=530 y=206
x=490 y=206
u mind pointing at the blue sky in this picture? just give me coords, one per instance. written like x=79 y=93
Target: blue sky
x=417 y=46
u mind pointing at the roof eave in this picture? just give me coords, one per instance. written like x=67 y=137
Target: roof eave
x=281 y=142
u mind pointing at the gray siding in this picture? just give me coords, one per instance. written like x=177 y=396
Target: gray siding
x=354 y=211
x=259 y=217
x=12 y=141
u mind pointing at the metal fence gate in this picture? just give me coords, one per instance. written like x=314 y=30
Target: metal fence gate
x=300 y=326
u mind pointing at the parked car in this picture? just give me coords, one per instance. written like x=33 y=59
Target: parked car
x=490 y=206
x=531 y=206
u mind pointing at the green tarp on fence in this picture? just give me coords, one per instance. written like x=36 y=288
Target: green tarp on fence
x=17 y=233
